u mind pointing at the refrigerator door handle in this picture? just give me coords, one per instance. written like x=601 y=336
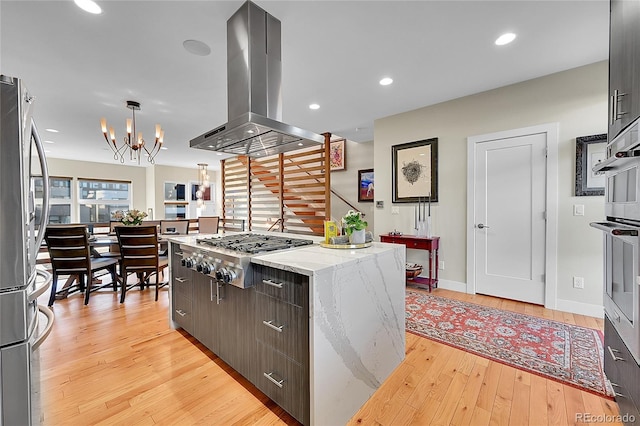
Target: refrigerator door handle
x=45 y=333
x=43 y=287
x=45 y=187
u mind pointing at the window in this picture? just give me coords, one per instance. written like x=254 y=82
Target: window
x=175 y=201
x=98 y=199
x=60 y=199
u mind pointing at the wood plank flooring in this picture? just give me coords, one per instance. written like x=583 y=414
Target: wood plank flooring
x=109 y=363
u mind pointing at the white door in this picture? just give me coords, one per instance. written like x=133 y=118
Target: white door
x=509 y=217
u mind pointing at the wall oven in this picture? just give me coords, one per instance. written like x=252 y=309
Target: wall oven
x=621 y=229
x=622 y=280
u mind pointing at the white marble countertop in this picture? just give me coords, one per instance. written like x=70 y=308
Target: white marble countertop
x=304 y=260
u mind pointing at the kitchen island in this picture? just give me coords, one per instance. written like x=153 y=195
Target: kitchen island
x=318 y=330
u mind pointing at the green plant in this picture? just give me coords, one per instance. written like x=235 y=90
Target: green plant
x=353 y=221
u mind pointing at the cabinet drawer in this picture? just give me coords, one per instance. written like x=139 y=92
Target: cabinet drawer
x=182 y=284
x=283 y=285
x=182 y=313
x=283 y=326
x=621 y=369
x=284 y=381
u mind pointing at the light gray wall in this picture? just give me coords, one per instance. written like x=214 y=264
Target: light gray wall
x=576 y=99
x=345 y=182
x=147 y=182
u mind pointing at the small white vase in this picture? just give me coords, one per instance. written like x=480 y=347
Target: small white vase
x=357 y=237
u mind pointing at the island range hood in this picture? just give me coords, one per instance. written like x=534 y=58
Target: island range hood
x=254 y=73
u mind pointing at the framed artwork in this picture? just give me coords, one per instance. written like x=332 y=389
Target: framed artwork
x=415 y=171
x=365 y=185
x=337 y=155
x=590 y=150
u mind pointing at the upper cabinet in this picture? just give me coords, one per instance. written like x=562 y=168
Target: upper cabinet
x=624 y=65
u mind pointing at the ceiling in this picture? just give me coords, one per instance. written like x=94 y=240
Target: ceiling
x=81 y=67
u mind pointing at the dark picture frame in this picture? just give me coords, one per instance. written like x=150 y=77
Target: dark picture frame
x=365 y=185
x=337 y=155
x=589 y=151
x=415 y=171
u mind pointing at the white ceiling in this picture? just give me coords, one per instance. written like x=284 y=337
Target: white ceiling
x=82 y=67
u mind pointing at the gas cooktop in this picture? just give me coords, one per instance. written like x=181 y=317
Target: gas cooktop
x=253 y=243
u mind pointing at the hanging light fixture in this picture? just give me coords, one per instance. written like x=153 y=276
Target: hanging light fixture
x=203 y=183
x=132 y=142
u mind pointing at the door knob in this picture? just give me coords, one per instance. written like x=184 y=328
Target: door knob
x=481 y=226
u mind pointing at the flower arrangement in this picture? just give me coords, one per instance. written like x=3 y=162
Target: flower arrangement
x=352 y=221
x=130 y=217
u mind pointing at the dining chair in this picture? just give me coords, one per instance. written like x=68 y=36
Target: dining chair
x=139 y=254
x=208 y=224
x=178 y=226
x=69 y=253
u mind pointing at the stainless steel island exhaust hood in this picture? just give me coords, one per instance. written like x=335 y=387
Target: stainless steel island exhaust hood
x=254 y=73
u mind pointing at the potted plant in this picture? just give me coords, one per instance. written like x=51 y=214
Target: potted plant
x=355 y=227
x=130 y=217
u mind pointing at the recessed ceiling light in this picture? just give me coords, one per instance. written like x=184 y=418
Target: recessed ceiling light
x=164 y=147
x=52 y=130
x=300 y=144
x=49 y=142
x=196 y=47
x=250 y=132
x=88 y=6
x=314 y=106
x=386 y=81
x=505 y=38
x=218 y=153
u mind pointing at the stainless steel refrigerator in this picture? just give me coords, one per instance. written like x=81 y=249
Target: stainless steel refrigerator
x=23 y=323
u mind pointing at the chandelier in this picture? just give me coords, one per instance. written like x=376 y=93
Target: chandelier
x=203 y=183
x=132 y=142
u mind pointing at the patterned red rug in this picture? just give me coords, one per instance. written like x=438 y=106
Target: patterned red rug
x=559 y=351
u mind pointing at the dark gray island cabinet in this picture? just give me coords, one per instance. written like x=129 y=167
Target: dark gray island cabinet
x=318 y=330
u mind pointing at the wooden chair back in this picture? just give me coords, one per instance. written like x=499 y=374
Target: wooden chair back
x=68 y=247
x=208 y=224
x=177 y=226
x=70 y=254
x=139 y=254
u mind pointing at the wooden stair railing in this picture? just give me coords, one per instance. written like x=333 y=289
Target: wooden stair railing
x=291 y=188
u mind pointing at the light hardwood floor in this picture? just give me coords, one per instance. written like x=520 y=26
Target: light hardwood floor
x=110 y=363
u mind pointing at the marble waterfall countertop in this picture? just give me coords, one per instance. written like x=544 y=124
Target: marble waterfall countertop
x=356 y=319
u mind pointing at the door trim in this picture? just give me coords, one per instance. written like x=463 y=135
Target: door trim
x=551 y=131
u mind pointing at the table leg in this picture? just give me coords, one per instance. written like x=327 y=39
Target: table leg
x=430 y=268
x=437 y=265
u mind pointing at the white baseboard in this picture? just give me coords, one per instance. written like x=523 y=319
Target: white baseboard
x=571 y=306
x=580 y=308
x=452 y=285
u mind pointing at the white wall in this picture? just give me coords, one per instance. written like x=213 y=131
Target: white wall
x=577 y=99
x=345 y=182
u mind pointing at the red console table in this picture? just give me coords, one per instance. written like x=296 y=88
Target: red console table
x=432 y=244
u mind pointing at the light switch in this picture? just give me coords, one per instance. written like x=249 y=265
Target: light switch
x=578 y=209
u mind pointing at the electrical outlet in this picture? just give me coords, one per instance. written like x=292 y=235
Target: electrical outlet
x=395 y=210
x=578 y=209
x=441 y=265
x=578 y=282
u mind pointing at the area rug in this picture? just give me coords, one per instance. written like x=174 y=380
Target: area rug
x=567 y=353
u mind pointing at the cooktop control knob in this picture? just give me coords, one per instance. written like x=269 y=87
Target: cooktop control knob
x=206 y=269
x=220 y=273
x=199 y=267
x=229 y=275
x=189 y=261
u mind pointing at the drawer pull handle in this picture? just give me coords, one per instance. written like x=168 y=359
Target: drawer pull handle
x=181 y=280
x=181 y=312
x=179 y=253
x=274 y=327
x=269 y=376
x=616 y=394
x=613 y=355
x=272 y=283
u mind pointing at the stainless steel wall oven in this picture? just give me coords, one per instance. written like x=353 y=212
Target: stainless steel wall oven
x=622 y=237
